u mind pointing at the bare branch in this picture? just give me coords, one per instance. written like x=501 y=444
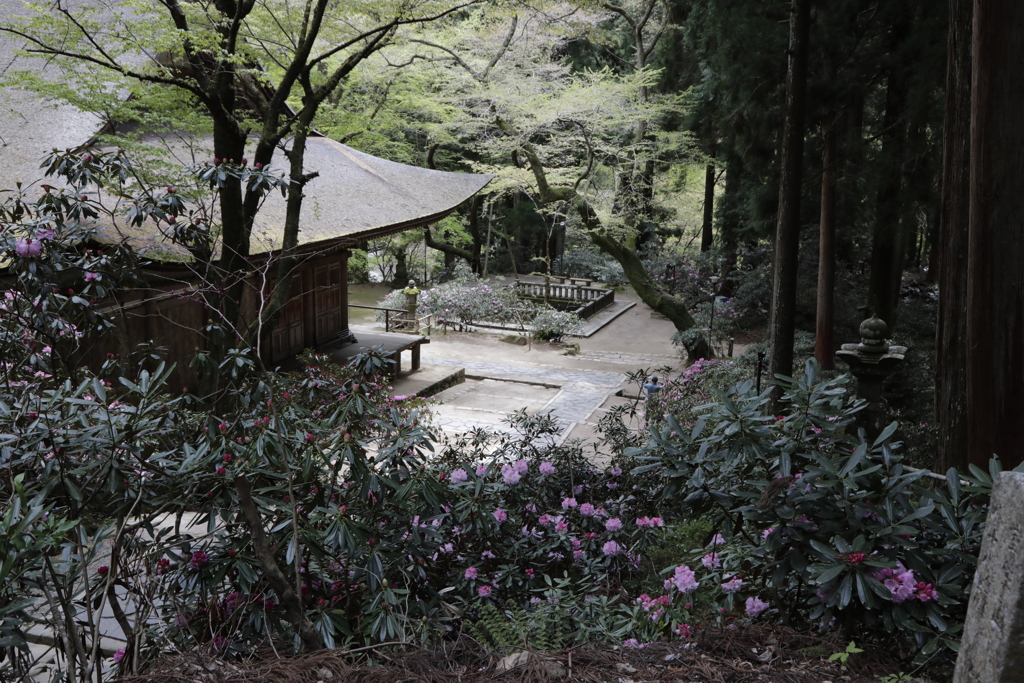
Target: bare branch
x=459 y=60
x=504 y=47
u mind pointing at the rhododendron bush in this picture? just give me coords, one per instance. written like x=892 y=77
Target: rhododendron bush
x=825 y=524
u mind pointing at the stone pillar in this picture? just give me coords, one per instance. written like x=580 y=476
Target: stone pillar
x=992 y=649
x=871 y=362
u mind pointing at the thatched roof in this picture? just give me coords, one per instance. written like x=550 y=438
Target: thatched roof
x=354 y=197
x=30 y=126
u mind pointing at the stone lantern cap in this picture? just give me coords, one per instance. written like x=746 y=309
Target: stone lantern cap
x=872 y=348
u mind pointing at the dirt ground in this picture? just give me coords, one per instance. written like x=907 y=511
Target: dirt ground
x=761 y=654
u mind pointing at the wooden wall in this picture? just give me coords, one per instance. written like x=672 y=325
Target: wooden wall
x=315 y=315
x=317 y=310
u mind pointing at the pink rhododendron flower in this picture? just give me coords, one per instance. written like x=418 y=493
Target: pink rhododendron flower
x=613 y=524
x=632 y=644
x=611 y=549
x=26 y=247
x=481 y=470
x=649 y=522
x=521 y=466
x=755 y=606
x=470 y=573
x=547 y=468
x=711 y=561
x=683 y=579
x=717 y=540
x=925 y=592
x=616 y=471
x=561 y=527
x=484 y=591
x=767 y=532
x=855 y=558
x=458 y=476
x=199 y=559
x=683 y=631
x=118 y=656
x=900 y=582
x=500 y=515
x=509 y=474
x=587 y=510
x=89 y=277
x=733 y=585
x=569 y=503
x=649 y=603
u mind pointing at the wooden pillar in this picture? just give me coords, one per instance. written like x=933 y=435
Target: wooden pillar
x=344 y=333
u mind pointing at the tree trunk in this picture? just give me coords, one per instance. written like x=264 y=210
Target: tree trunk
x=889 y=235
x=706 y=236
x=450 y=251
x=475 y=205
x=787 y=232
x=824 y=344
x=850 y=193
x=995 y=279
x=729 y=220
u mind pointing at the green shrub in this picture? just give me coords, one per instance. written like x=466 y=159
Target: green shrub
x=552 y=325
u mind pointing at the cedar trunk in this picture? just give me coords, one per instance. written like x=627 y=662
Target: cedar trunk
x=888 y=240
x=951 y=250
x=787 y=232
x=729 y=220
x=706 y=236
x=995 y=279
x=824 y=344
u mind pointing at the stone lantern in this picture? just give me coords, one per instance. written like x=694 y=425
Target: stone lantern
x=871 y=361
x=411 y=295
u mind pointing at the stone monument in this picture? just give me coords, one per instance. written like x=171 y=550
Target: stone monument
x=992 y=649
x=871 y=361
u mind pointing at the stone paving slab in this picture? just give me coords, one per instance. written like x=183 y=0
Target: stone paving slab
x=538 y=371
x=577 y=400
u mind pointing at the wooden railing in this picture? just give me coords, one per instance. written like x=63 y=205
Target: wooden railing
x=566 y=292
x=387 y=313
x=425 y=322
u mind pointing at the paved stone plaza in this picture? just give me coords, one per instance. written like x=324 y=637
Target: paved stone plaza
x=576 y=389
